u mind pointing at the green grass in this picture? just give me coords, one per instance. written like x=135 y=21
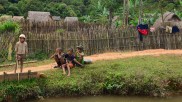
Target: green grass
x=147 y=75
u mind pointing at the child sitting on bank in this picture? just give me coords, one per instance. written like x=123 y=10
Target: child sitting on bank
x=21 y=50
x=70 y=61
x=59 y=57
x=80 y=54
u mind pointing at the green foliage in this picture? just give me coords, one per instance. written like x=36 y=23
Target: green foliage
x=38 y=55
x=9 y=26
x=14 y=9
x=60 y=31
x=132 y=76
x=98 y=11
x=86 y=19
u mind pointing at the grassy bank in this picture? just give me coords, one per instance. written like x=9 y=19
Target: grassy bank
x=151 y=76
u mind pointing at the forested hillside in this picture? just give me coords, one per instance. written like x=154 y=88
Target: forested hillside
x=93 y=10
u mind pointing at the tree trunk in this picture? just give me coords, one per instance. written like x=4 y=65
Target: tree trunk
x=110 y=17
x=161 y=10
x=162 y=17
x=124 y=11
x=140 y=13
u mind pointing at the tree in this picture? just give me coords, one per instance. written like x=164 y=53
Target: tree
x=13 y=10
x=111 y=5
x=1 y=9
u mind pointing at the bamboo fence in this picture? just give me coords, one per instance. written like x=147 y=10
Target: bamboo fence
x=46 y=37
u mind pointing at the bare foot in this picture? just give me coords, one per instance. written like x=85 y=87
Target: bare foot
x=64 y=73
x=68 y=75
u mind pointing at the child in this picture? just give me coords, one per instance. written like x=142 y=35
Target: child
x=21 y=50
x=70 y=60
x=80 y=54
x=59 y=57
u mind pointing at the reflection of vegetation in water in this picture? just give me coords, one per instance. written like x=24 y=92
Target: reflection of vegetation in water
x=155 y=76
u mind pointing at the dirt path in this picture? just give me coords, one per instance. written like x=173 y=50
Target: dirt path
x=109 y=56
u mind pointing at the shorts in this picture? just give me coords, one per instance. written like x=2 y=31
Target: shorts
x=59 y=61
x=71 y=65
x=20 y=57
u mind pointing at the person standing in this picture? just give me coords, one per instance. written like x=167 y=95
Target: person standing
x=21 y=50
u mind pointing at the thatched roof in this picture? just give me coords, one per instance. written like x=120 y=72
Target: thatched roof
x=36 y=16
x=5 y=17
x=71 y=19
x=18 y=18
x=168 y=17
x=56 y=18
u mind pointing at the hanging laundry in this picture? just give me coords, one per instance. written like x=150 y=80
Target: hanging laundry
x=175 y=29
x=168 y=29
x=142 y=30
x=152 y=29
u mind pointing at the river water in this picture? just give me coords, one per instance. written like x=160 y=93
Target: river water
x=111 y=99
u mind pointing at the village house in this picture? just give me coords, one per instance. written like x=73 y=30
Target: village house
x=37 y=16
x=170 y=19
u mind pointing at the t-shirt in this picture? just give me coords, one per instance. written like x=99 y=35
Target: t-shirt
x=60 y=56
x=21 y=48
x=70 y=58
x=78 y=56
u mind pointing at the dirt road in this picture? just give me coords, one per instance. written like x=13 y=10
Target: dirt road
x=109 y=56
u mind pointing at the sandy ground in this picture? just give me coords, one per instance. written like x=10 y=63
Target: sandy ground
x=110 y=56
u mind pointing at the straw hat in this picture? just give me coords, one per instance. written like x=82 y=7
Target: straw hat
x=22 y=36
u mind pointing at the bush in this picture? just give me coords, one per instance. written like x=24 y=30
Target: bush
x=38 y=55
x=9 y=26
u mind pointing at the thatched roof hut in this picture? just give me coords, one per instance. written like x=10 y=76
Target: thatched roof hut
x=37 y=16
x=56 y=18
x=71 y=20
x=71 y=23
x=18 y=18
x=5 y=17
x=168 y=17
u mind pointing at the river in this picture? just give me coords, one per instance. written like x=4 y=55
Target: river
x=111 y=99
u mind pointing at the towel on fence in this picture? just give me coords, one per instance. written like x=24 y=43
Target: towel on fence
x=175 y=29
x=168 y=29
x=152 y=29
x=142 y=30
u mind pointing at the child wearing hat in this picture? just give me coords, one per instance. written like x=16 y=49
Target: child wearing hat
x=21 y=50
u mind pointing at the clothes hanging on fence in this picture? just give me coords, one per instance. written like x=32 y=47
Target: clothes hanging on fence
x=152 y=29
x=171 y=30
x=142 y=30
x=168 y=29
x=175 y=29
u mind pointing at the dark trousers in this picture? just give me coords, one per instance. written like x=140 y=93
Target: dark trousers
x=140 y=36
x=59 y=61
